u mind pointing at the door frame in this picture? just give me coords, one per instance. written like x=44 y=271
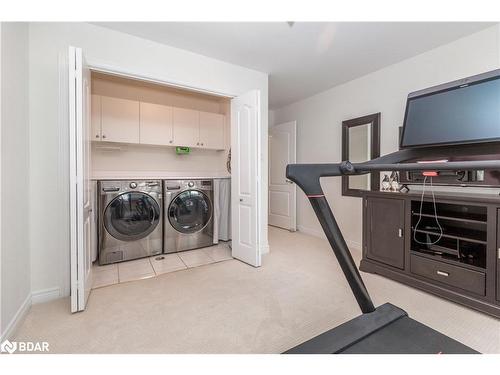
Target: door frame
x=116 y=70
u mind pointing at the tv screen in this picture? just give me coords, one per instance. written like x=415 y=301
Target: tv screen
x=467 y=113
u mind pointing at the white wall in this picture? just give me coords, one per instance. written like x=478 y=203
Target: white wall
x=15 y=252
x=319 y=118
x=150 y=161
x=48 y=124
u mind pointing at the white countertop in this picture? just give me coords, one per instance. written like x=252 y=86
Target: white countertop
x=155 y=175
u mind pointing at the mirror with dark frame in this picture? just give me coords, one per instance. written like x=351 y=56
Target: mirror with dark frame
x=360 y=143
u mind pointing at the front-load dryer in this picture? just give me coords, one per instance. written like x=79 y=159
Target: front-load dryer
x=188 y=214
x=130 y=219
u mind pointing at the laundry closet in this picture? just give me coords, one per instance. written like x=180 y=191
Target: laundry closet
x=160 y=171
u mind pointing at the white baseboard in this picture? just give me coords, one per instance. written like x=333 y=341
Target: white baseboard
x=311 y=231
x=45 y=295
x=319 y=233
x=17 y=319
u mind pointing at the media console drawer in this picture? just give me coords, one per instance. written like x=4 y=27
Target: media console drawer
x=463 y=278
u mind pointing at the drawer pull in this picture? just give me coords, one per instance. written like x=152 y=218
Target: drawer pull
x=442 y=273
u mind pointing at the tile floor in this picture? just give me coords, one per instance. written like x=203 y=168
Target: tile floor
x=159 y=264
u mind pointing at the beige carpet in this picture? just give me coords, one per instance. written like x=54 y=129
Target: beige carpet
x=230 y=307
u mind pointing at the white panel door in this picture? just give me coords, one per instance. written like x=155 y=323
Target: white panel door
x=212 y=130
x=186 y=127
x=282 y=192
x=156 y=124
x=119 y=120
x=245 y=131
x=80 y=184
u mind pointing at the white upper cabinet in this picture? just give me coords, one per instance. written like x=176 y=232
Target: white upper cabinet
x=186 y=127
x=156 y=124
x=95 y=117
x=129 y=121
x=212 y=130
x=119 y=120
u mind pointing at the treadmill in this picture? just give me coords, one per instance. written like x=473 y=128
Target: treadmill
x=386 y=329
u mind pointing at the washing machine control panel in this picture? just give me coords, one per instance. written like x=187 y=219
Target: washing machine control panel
x=121 y=186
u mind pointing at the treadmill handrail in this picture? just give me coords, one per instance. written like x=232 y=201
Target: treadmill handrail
x=307 y=175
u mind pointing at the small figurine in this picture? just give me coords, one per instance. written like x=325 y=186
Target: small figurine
x=386 y=183
x=394 y=180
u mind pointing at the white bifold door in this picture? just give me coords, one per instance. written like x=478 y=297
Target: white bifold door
x=245 y=181
x=80 y=184
x=282 y=192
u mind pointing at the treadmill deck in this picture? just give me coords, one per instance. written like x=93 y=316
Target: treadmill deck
x=387 y=330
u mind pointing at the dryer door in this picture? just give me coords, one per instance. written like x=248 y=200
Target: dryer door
x=132 y=216
x=190 y=211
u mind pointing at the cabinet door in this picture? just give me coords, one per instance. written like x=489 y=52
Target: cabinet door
x=385 y=234
x=120 y=120
x=156 y=124
x=95 y=117
x=212 y=130
x=186 y=127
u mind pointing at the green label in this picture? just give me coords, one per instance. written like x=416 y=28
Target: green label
x=182 y=150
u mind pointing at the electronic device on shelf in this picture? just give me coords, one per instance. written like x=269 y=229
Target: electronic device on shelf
x=460 y=112
x=459 y=177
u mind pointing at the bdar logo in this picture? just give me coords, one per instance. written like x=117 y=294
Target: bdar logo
x=8 y=347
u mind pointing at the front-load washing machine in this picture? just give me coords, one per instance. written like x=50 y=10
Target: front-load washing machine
x=188 y=214
x=130 y=219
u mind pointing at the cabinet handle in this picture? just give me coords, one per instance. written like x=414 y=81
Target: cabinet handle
x=202 y=144
x=400 y=233
x=442 y=273
x=170 y=141
x=499 y=253
x=97 y=135
x=197 y=143
x=103 y=136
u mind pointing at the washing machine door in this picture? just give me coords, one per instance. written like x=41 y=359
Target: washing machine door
x=190 y=211
x=132 y=216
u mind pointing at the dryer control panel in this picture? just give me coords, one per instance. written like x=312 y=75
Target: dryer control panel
x=173 y=185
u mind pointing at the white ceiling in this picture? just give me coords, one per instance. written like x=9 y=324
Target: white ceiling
x=307 y=58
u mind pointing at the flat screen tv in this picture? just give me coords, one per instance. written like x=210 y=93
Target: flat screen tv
x=459 y=112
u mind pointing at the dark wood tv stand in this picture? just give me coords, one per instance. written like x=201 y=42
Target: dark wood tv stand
x=464 y=266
